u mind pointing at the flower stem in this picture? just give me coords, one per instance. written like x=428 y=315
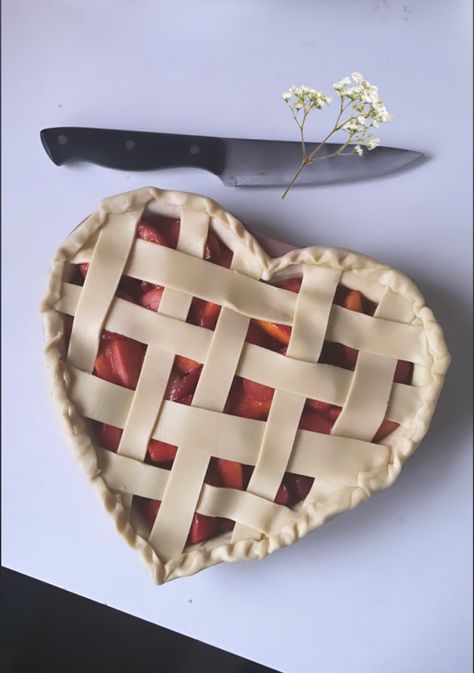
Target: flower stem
x=308 y=160
x=295 y=177
x=367 y=111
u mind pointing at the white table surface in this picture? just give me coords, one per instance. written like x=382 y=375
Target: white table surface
x=385 y=587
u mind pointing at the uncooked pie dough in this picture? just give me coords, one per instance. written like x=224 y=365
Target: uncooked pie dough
x=345 y=464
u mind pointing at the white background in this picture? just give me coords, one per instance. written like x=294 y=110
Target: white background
x=385 y=587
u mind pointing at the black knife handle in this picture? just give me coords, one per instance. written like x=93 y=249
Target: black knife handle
x=133 y=150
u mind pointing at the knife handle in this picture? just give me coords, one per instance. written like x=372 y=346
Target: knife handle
x=132 y=150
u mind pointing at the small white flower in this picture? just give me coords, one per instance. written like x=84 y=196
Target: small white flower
x=350 y=126
x=358 y=150
x=355 y=92
x=369 y=97
x=373 y=143
x=286 y=95
x=383 y=116
x=357 y=77
x=318 y=99
x=341 y=85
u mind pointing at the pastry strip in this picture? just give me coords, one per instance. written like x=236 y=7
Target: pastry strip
x=375 y=335
x=174 y=517
x=173 y=521
x=249 y=297
x=373 y=396
x=145 y=403
x=307 y=337
x=367 y=400
x=321 y=381
x=193 y=231
x=214 y=283
x=133 y=477
x=104 y=399
x=277 y=444
x=326 y=457
x=105 y=270
x=312 y=310
x=157 y=365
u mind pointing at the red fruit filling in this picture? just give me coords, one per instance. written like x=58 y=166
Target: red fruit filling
x=185 y=365
x=230 y=473
x=203 y=313
x=146 y=509
x=151 y=297
x=120 y=361
x=180 y=386
x=315 y=421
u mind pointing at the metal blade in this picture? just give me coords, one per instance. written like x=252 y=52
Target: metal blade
x=257 y=163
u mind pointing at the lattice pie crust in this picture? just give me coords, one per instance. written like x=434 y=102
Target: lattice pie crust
x=346 y=465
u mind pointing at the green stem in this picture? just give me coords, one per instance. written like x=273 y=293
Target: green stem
x=307 y=161
x=334 y=130
x=295 y=177
x=333 y=154
x=303 y=145
x=311 y=157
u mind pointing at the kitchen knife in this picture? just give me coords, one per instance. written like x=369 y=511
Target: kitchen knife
x=237 y=162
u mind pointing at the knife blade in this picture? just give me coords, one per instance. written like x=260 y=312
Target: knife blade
x=237 y=162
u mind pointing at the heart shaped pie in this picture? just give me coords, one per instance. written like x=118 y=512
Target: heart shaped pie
x=224 y=403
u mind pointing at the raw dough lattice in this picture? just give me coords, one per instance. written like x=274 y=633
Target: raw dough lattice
x=346 y=465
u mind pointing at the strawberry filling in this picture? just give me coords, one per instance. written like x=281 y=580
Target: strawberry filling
x=152 y=297
x=120 y=359
x=204 y=313
x=230 y=473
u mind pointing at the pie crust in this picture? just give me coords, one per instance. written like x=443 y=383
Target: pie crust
x=346 y=465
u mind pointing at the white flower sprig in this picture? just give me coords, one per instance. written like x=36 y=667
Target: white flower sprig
x=358 y=97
